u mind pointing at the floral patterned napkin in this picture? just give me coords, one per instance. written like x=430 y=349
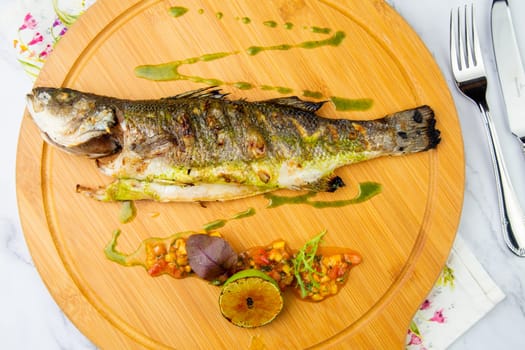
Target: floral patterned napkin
x=464 y=292
x=42 y=27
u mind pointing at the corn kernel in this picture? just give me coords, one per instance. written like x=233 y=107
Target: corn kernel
x=278 y=245
x=275 y=255
x=332 y=260
x=159 y=249
x=337 y=258
x=334 y=288
x=325 y=279
x=324 y=289
x=316 y=297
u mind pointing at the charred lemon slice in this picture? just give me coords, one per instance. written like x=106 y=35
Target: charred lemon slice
x=250 y=298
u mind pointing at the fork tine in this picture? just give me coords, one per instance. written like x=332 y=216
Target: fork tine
x=453 y=51
x=464 y=52
x=453 y=44
x=467 y=34
x=478 y=58
x=470 y=39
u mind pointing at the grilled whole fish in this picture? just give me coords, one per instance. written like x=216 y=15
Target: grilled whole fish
x=201 y=146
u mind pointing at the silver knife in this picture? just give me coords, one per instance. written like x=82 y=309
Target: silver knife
x=510 y=67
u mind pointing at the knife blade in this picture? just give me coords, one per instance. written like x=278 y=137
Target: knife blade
x=510 y=67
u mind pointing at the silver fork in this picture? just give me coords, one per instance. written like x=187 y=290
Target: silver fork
x=471 y=79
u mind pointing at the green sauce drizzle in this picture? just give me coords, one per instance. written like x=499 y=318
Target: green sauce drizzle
x=334 y=40
x=320 y=30
x=128 y=212
x=271 y=24
x=137 y=258
x=213 y=225
x=280 y=89
x=367 y=190
x=312 y=94
x=216 y=224
x=215 y=56
x=171 y=70
x=177 y=11
x=113 y=254
x=244 y=214
x=345 y=104
x=243 y=85
x=254 y=50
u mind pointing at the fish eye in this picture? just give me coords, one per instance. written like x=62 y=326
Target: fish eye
x=42 y=97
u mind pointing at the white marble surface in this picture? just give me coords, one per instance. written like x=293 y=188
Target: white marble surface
x=30 y=319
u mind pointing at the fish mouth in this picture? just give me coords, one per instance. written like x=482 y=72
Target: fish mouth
x=98 y=147
x=93 y=143
x=30 y=104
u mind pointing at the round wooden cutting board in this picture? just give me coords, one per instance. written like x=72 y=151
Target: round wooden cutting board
x=404 y=234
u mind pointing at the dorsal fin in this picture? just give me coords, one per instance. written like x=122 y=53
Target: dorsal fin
x=209 y=91
x=296 y=102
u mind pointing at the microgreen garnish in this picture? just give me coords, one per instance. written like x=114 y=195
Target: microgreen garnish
x=303 y=263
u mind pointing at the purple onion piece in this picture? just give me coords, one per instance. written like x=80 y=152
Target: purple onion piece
x=210 y=257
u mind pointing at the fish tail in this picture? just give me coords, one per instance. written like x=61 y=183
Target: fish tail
x=413 y=130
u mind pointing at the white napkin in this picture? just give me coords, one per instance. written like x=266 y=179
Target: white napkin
x=463 y=294
x=461 y=297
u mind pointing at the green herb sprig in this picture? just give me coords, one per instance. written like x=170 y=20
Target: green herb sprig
x=303 y=262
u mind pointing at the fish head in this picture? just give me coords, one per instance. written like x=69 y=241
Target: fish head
x=74 y=121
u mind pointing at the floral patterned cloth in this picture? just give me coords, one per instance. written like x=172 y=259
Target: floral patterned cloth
x=463 y=294
x=38 y=33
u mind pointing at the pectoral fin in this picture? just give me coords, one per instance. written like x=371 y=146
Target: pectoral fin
x=326 y=184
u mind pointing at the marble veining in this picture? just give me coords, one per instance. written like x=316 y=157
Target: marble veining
x=14 y=246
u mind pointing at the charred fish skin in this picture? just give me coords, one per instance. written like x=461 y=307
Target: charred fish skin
x=263 y=144
x=200 y=146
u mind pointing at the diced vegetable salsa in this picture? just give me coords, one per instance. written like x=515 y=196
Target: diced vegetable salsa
x=313 y=274
x=274 y=259
x=168 y=258
x=331 y=267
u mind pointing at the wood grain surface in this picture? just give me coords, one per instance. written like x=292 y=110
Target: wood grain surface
x=404 y=234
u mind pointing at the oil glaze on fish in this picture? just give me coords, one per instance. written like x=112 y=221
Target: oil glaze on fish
x=201 y=146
